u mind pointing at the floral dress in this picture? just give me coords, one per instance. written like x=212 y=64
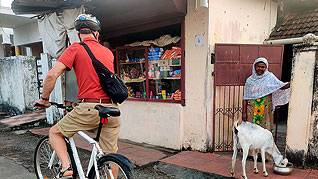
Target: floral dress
x=259 y=111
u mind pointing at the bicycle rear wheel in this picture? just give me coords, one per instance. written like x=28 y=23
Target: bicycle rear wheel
x=43 y=155
x=109 y=165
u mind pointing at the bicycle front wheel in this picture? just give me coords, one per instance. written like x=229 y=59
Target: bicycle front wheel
x=46 y=163
x=109 y=166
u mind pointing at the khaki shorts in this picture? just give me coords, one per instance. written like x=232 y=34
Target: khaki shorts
x=85 y=117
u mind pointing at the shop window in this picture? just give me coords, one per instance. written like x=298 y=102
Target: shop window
x=152 y=73
x=164 y=73
x=132 y=70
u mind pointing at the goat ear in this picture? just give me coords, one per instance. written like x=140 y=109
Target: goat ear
x=286 y=161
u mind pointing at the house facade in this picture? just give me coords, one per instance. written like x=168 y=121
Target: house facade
x=185 y=122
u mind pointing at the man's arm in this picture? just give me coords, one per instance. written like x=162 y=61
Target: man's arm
x=49 y=83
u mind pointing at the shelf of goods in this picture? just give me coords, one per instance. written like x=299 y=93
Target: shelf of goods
x=155 y=76
x=137 y=80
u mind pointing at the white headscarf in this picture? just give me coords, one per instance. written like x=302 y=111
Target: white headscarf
x=258 y=86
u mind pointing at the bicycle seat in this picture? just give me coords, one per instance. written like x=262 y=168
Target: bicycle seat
x=105 y=112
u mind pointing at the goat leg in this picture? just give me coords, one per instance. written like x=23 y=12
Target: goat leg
x=245 y=153
x=263 y=161
x=255 y=162
x=234 y=158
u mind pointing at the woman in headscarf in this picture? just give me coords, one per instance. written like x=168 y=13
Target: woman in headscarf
x=262 y=93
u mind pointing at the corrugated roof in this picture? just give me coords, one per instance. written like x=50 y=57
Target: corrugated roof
x=297 y=24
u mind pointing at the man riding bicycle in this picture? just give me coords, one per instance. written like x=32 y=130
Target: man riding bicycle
x=83 y=116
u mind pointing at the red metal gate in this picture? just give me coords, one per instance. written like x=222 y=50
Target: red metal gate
x=233 y=64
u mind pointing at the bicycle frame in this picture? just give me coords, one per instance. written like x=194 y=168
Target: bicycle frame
x=96 y=151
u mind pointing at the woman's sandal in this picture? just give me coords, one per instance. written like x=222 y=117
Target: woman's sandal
x=61 y=174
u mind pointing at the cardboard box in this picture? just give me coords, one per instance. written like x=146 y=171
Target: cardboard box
x=175 y=62
x=163 y=63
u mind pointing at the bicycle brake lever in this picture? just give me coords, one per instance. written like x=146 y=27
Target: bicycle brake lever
x=68 y=108
x=58 y=105
x=39 y=105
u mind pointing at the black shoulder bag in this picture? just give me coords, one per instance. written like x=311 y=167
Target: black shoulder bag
x=111 y=83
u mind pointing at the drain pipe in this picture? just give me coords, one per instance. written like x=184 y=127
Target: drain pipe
x=308 y=39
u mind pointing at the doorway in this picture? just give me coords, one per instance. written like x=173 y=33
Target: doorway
x=281 y=114
x=233 y=64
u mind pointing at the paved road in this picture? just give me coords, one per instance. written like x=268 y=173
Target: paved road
x=17 y=150
x=10 y=169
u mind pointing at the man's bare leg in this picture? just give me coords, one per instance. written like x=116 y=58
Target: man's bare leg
x=115 y=170
x=58 y=144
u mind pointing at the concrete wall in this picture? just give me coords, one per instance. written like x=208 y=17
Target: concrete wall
x=152 y=123
x=244 y=21
x=26 y=34
x=18 y=82
x=302 y=114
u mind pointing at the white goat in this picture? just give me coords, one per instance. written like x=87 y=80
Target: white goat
x=252 y=136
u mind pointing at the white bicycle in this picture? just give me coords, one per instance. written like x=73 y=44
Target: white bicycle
x=47 y=165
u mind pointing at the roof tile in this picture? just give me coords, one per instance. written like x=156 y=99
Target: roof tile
x=297 y=25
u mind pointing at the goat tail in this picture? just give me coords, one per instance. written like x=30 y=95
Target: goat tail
x=235 y=131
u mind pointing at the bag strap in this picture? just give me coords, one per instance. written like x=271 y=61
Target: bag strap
x=90 y=53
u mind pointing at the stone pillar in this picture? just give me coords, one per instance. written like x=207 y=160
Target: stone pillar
x=312 y=156
x=45 y=70
x=301 y=108
x=56 y=96
x=53 y=114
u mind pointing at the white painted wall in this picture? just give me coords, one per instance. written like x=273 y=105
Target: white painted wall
x=243 y=21
x=18 y=82
x=299 y=113
x=11 y=82
x=26 y=34
x=151 y=123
